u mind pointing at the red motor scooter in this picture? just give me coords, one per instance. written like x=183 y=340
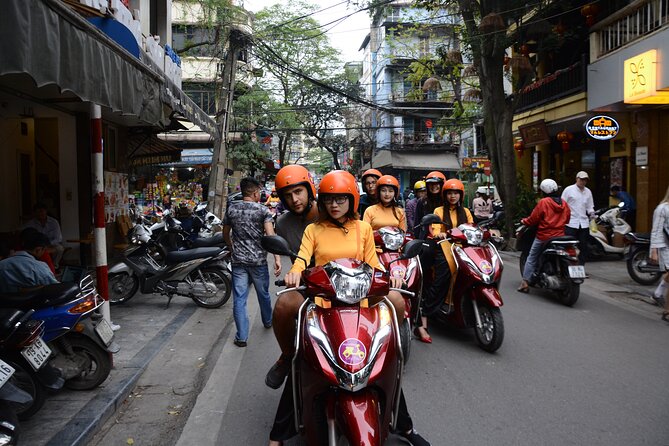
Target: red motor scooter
x=389 y=240
x=473 y=299
x=348 y=361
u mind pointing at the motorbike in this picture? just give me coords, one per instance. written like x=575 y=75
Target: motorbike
x=347 y=369
x=146 y=265
x=389 y=240
x=473 y=299
x=494 y=226
x=636 y=251
x=608 y=237
x=21 y=394
x=557 y=267
x=81 y=340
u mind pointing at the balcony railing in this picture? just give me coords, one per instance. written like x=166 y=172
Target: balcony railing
x=409 y=140
x=629 y=24
x=552 y=87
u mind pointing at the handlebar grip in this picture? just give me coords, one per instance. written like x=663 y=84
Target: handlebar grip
x=280 y=282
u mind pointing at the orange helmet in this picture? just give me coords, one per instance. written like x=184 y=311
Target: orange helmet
x=435 y=176
x=388 y=180
x=372 y=172
x=294 y=175
x=453 y=184
x=342 y=183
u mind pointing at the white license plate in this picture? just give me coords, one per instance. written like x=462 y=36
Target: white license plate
x=104 y=330
x=37 y=354
x=6 y=372
x=576 y=271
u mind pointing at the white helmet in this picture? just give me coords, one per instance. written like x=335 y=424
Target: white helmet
x=548 y=186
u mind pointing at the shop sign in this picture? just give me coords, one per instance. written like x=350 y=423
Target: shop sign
x=475 y=163
x=641 y=156
x=534 y=133
x=602 y=127
x=640 y=77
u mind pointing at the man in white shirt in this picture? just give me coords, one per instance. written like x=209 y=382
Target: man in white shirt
x=581 y=204
x=50 y=227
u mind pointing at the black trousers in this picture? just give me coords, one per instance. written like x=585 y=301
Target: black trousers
x=434 y=291
x=284 y=420
x=582 y=235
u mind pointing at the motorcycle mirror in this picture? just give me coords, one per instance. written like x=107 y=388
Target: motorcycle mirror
x=430 y=219
x=275 y=244
x=412 y=249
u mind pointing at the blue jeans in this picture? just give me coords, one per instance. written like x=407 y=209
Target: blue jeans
x=242 y=277
x=532 y=257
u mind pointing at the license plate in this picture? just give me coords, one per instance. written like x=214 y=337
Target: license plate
x=104 y=330
x=37 y=354
x=576 y=271
x=6 y=372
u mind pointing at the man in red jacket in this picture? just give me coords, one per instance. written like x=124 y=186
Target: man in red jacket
x=550 y=216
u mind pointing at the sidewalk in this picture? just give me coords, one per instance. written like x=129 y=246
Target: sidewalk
x=73 y=417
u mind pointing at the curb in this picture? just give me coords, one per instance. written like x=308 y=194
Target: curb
x=87 y=422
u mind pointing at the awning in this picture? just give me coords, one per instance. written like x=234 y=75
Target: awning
x=54 y=45
x=415 y=161
x=144 y=149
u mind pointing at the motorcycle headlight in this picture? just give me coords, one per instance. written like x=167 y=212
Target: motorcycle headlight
x=473 y=235
x=351 y=285
x=392 y=239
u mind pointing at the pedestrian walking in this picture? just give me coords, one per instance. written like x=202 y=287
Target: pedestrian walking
x=581 y=204
x=245 y=222
x=659 y=252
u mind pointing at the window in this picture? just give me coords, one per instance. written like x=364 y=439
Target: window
x=109 y=148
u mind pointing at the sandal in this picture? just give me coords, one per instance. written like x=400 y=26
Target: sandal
x=426 y=339
x=523 y=289
x=665 y=316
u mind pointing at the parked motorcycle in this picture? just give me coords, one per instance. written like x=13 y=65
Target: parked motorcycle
x=557 y=267
x=609 y=236
x=473 y=299
x=347 y=369
x=21 y=394
x=637 y=251
x=147 y=266
x=81 y=340
x=389 y=240
x=494 y=225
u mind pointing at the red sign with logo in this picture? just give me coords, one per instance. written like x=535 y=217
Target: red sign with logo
x=428 y=123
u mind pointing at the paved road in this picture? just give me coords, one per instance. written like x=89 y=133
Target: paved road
x=594 y=374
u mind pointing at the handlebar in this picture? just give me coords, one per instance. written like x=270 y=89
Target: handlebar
x=403 y=291
x=299 y=288
x=280 y=282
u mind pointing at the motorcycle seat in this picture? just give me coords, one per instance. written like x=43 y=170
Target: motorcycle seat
x=175 y=257
x=8 y=318
x=215 y=240
x=45 y=296
x=640 y=236
x=562 y=238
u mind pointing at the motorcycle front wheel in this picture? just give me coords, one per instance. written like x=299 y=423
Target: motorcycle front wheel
x=491 y=333
x=98 y=363
x=405 y=338
x=222 y=283
x=633 y=261
x=122 y=287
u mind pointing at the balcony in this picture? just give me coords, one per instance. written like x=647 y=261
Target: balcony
x=631 y=23
x=562 y=83
x=423 y=140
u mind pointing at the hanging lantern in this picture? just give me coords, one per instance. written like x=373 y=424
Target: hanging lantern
x=589 y=12
x=564 y=137
x=519 y=147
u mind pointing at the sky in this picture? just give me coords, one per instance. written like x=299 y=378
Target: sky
x=346 y=36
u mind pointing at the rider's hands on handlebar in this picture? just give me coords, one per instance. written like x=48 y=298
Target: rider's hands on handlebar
x=441 y=235
x=292 y=280
x=396 y=282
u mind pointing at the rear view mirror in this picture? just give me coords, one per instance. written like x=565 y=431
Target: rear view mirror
x=430 y=219
x=412 y=249
x=275 y=244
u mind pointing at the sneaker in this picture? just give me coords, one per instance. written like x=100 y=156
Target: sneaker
x=413 y=438
x=278 y=372
x=268 y=325
x=240 y=343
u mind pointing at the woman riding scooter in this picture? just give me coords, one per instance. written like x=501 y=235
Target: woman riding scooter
x=452 y=194
x=339 y=234
x=387 y=212
x=551 y=215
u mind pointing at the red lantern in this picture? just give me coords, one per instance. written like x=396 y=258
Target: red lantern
x=519 y=147
x=589 y=12
x=564 y=137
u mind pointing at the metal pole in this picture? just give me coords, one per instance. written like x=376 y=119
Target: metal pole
x=100 y=239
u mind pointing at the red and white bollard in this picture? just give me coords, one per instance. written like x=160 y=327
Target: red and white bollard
x=100 y=239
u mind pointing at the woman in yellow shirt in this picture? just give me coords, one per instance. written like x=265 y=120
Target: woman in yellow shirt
x=453 y=213
x=339 y=233
x=387 y=212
